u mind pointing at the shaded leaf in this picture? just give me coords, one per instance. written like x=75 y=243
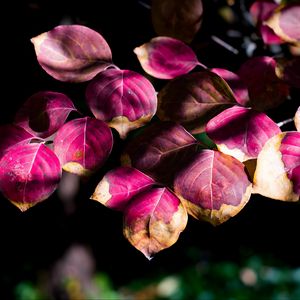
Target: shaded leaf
x=83 y=145
x=29 y=174
x=266 y=91
x=124 y=99
x=241 y=132
x=238 y=87
x=119 y=186
x=193 y=99
x=159 y=150
x=213 y=186
x=288 y=70
x=297 y=119
x=180 y=19
x=72 y=53
x=153 y=221
x=44 y=113
x=275 y=168
x=166 y=58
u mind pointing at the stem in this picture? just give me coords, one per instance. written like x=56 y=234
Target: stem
x=280 y=124
x=225 y=45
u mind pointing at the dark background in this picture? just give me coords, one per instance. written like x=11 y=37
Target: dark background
x=34 y=240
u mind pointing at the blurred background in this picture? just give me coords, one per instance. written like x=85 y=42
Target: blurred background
x=70 y=247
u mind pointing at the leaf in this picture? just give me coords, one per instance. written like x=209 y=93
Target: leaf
x=285 y=21
x=241 y=132
x=297 y=119
x=83 y=145
x=193 y=99
x=277 y=173
x=288 y=70
x=239 y=89
x=153 y=221
x=213 y=186
x=119 y=186
x=124 y=99
x=13 y=135
x=159 y=150
x=166 y=58
x=72 y=53
x=29 y=174
x=44 y=113
x=266 y=91
x=180 y=19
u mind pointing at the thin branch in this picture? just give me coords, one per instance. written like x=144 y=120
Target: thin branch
x=280 y=124
x=224 y=45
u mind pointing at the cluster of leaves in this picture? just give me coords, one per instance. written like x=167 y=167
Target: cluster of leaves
x=166 y=172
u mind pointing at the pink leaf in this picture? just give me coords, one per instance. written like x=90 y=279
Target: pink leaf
x=297 y=119
x=13 y=135
x=288 y=70
x=213 y=186
x=153 y=221
x=83 y=145
x=159 y=150
x=277 y=173
x=241 y=132
x=44 y=113
x=239 y=89
x=266 y=91
x=118 y=186
x=193 y=99
x=180 y=19
x=72 y=53
x=166 y=58
x=124 y=99
x=29 y=174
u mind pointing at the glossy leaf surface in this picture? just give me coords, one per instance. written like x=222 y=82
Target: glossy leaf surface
x=166 y=58
x=44 y=113
x=297 y=119
x=83 y=145
x=119 y=186
x=180 y=19
x=241 y=132
x=29 y=174
x=153 y=221
x=193 y=99
x=124 y=99
x=213 y=186
x=72 y=53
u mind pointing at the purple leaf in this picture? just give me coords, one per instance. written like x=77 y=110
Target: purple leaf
x=118 y=186
x=180 y=19
x=277 y=173
x=13 y=135
x=241 y=132
x=166 y=58
x=124 y=99
x=29 y=174
x=297 y=119
x=193 y=99
x=44 y=113
x=72 y=53
x=159 y=150
x=83 y=145
x=266 y=91
x=288 y=70
x=213 y=186
x=153 y=221
x=239 y=89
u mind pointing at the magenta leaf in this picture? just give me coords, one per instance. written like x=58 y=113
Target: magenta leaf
x=166 y=58
x=297 y=119
x=29 y=174
x=72 y=53
x=288 y=70
x=193 y=99
x=241 y=132
x=239 y=89
x=44 y=113
x=13 y=135
x=277 y=174
x=213 y=186
x=83 y=145
x=119 y=185
x=159 y=150
x=153 y=220
x=124 y=99
x=180 y=19
x=266 y=90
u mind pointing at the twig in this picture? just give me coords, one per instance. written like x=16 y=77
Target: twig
x=146 y=5
x=224 y=45
x=280 y=124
